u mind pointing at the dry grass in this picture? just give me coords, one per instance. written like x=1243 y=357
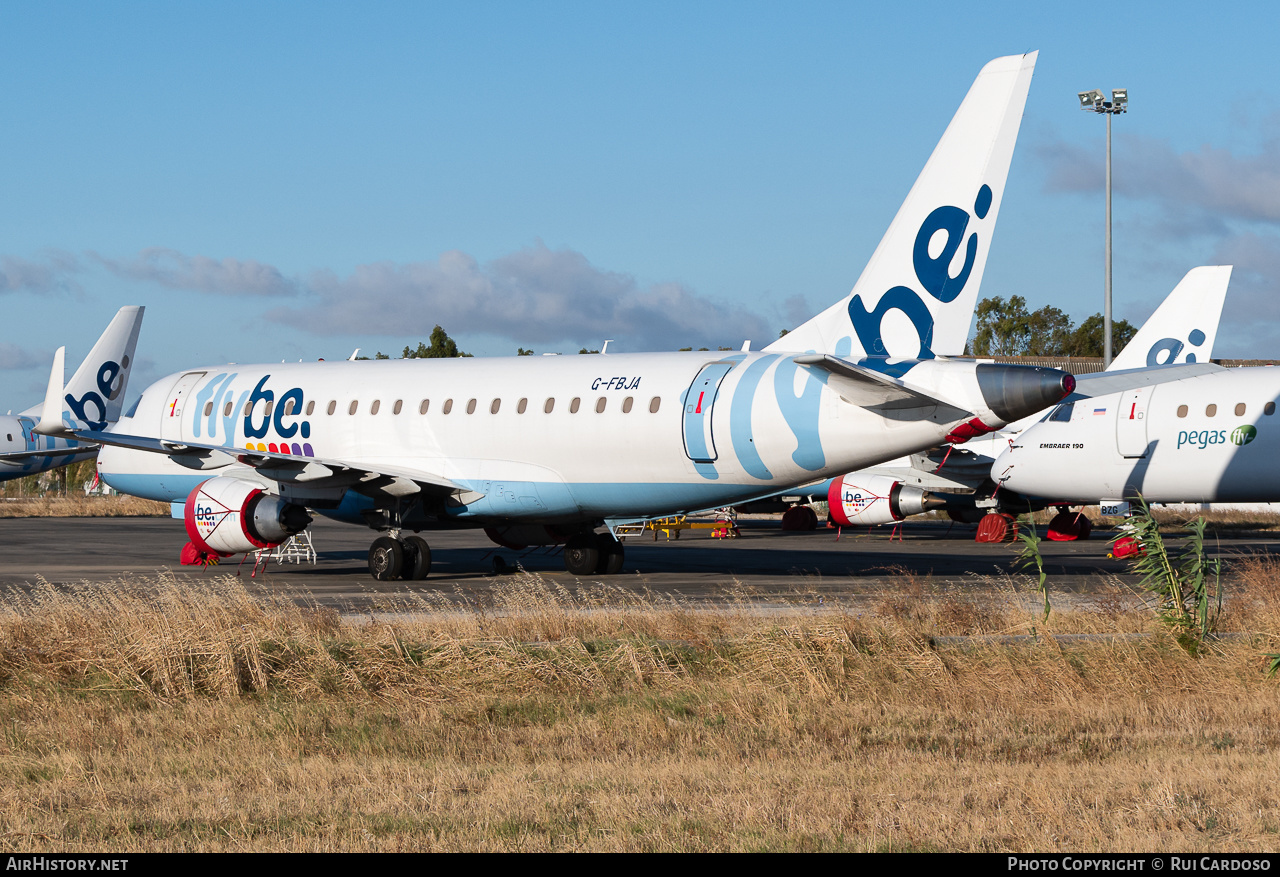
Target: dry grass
x=78 y=506
x=144 y=715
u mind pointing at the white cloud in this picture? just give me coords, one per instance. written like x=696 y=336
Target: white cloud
x=1212 y=181
x=536 y=296
x=174 y=270
x=15 y=357
x=51 y=275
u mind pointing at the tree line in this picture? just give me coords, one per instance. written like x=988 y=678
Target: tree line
x=1007 y=328
x=1003 y=328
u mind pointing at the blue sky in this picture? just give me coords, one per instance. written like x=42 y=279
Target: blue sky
x=295 y=180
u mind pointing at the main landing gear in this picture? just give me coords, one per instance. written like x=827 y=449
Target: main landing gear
x=393 y=558
x=598 y=554
x=408 y=558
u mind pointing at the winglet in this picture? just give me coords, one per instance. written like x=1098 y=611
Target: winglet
x=51 y=415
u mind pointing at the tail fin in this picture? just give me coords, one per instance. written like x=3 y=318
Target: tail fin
x=920 y=269
x=1185 y=325
x=95 y=394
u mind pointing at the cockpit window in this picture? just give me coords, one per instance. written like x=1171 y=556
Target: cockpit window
x=1061 y=414
x=133 y=409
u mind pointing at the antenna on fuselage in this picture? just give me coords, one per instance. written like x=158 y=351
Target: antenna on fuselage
x=605 y=348
x=354 y=354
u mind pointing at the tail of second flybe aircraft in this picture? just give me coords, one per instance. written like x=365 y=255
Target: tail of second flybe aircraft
x=95 y=394
x=915 y=298
x=1185 y=325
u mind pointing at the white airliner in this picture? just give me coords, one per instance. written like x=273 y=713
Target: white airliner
x=94 y=398
x=1182 y=330
x=1210 y=438
x=545 y=450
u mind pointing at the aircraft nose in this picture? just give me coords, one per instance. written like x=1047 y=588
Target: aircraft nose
x=1015 y=391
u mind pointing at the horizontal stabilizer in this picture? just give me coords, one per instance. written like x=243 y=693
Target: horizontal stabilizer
x=1105 y=383
x=865 y=387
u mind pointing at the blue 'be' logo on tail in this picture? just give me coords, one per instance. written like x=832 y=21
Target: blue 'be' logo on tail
x=934 y=275
x=107 y=374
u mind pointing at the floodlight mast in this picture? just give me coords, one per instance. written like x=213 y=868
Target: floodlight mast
x=1096 y=102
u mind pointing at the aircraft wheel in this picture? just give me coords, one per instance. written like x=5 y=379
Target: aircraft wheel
x=386 y=559
x=611 y=555
x=995 y=527
x=799 y=517
x=582 y=554
x=1065 y=527
x=417 y=559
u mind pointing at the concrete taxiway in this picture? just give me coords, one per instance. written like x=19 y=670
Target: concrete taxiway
x=764 y=562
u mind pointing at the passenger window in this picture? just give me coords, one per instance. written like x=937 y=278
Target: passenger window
x=550 y=406
x=1182 y=410
x=355 y=403
x=422 y=409
x=523 y=404
x=1210 y=410
x=226 y=411
x=448 y=406
x=395 y=409
x=471 y=407
x=493 y=408
x=208 y=408
x=270 y=404
x=1269 y=409
x=333 y=405
x=654 y=403
x=248 y=406
x=1240 y=409
x=311 y=407
x=574 y=405
x=377 y=403
x=288 y=407
x=626 y=405
x=600 y=403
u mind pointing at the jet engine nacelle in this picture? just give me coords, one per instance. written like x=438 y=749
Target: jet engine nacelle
x=227 y=515
x=877 y=499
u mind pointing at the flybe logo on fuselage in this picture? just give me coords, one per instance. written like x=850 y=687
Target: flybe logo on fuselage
x=259 y=412
x=933 y=270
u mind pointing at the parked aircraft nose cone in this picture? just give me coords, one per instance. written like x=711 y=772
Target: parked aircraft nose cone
x=1015 y=391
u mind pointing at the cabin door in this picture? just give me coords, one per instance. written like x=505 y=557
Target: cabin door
x=1131 y=422
x=699 y=441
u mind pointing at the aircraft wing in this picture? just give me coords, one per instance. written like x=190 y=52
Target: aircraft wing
x=56 y=452
x=281 y=467
x=1105 y=383
x=865 y=387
